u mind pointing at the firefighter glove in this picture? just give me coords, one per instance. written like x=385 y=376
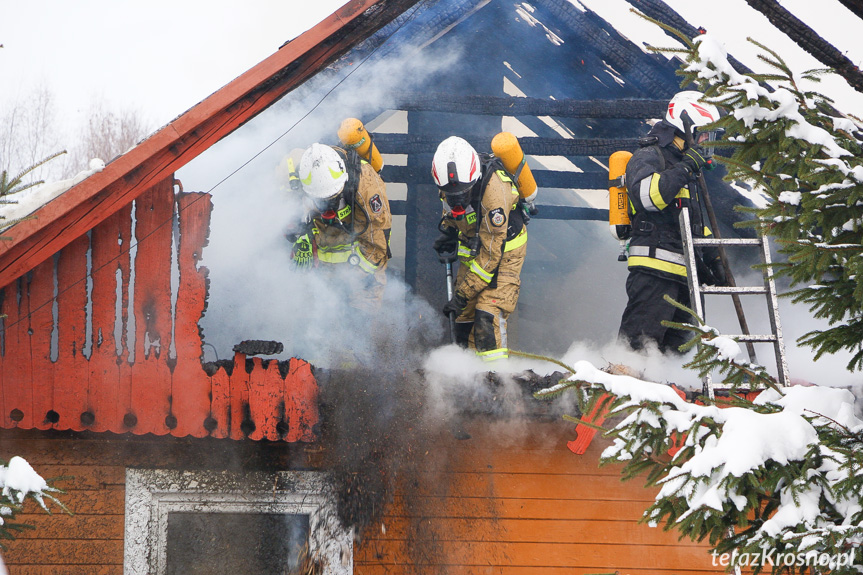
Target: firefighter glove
x=696 y=159
x=456 y=305
x=710 y=269
x=302 y=252
x=446 y=246
x=718 y=270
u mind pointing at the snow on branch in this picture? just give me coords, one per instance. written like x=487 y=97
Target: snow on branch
x=19 y=482
x=783 y=471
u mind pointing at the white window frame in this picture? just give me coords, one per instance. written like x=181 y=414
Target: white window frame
x=151 y=494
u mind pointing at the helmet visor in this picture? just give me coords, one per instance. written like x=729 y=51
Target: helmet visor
x=707 y=138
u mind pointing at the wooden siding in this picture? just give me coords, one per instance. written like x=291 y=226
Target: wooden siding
x=524 y=504
x=94 y=474
x=87 y=338
x=492 y=504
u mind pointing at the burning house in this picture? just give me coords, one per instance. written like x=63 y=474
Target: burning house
x=194 y=393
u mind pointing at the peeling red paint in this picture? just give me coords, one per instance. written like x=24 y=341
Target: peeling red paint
x=106 y=389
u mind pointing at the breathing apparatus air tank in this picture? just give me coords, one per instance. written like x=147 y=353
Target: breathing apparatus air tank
x=354 y=135
x=618 y=203
x=506 y=147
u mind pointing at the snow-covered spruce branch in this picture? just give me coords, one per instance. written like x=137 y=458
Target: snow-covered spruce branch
x=19 y=482
x=10 y=185
x=717 y=353
x=781 y=473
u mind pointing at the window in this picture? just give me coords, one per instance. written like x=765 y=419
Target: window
x=218 y=523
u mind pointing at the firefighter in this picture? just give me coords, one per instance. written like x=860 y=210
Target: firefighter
x=483 y=226
x=661 y=178
x=348 y=222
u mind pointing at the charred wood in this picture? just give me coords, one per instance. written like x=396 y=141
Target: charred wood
x=419 y=144
x=546 y=212
x=809 y=40
x=259 y=347
x=544 y=178
x=506 y=106
x=650 y=73
x=854 y=6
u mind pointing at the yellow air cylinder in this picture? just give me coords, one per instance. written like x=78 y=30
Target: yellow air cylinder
x=506 y=147
x=354 y=135
x=618 y=203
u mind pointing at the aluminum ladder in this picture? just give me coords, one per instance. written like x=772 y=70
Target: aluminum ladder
x=769 y=289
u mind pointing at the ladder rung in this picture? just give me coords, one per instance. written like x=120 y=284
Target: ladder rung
x=726 y=241
x=753 y=338
x=731 y=290
x=742 y=388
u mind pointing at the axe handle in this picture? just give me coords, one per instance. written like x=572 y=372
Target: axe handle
x=449 y=297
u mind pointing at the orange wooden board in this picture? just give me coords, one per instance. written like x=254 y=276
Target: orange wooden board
x=82 y=361
x=99 y=569
x=191 y=393
x=596 y=558
x=71 y=386
x=104 y=377
x=65 y=552
x=512 y=499
x=40 y=330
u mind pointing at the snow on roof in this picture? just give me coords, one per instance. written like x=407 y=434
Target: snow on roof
x=32 y=199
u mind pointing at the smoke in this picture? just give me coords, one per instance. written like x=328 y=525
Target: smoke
x=387 y=394
x=459 y=384
x=254 y=290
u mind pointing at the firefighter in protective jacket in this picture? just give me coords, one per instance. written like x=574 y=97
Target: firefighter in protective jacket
x=483 y=225
x=348 y=221
x=661 y=178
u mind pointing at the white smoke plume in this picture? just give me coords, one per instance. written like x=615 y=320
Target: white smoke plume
x=569 y=308
x=254 y=290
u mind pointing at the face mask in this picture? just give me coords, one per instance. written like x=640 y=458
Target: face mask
x=458 y=202
x=333 y=209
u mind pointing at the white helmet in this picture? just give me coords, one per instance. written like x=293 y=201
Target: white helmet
x=455 y=169
x=701 y=113
x=322 y=172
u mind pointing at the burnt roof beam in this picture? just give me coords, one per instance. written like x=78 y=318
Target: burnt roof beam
x=505 y=106
x=426 y=144
x=544 y=178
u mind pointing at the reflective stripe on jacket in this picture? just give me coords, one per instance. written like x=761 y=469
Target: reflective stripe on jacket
x=496 y=203
x=371 y=216
x=658 y=185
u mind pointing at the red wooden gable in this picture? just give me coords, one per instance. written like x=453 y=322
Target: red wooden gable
x=88 y=203
x=72 y=270
x=61 y=368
